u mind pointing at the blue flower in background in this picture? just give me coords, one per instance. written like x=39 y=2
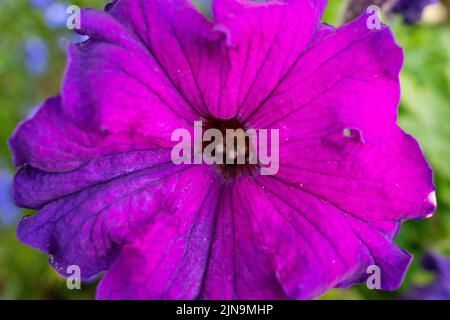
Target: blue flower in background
x=54 y=12
x=9 y=213
x=36 y=55
x=439 y=289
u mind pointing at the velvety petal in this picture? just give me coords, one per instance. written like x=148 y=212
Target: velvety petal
x=52 y=142
x=349 y=78
x=114 y=84
x=36 y=188
x=381 y=184
x=320 y=246
x=411 y=10
x=89 y=228
x=230 y=62
x=178 y=37
x=166 y=259
x=96 y=163
x=265 y=41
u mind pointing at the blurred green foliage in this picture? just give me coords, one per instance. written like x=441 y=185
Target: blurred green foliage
x=424 y=112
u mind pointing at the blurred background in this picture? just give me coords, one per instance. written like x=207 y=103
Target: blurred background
x=33 y=41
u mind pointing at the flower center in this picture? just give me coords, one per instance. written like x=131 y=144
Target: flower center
x=235 y=150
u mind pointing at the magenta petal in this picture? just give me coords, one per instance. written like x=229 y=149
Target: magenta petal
x=227 y=66
x=382 y=184
x=50 y=141
x=96 y=162
x=193 y=259
x=181 y=41
x=168 y=255
x=88 y=228
x=38 y=188
x=349 y=78
x=239 y=267
x=265 y=41
x=321 y=246
x=114 y=84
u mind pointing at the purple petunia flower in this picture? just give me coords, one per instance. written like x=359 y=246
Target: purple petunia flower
x=439 y=288
x=95 y=162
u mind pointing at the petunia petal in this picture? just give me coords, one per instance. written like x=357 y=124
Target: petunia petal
x=96 y=162
x=265 y=41
x=228 y=64
x=348 y=79
x=38 y=188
